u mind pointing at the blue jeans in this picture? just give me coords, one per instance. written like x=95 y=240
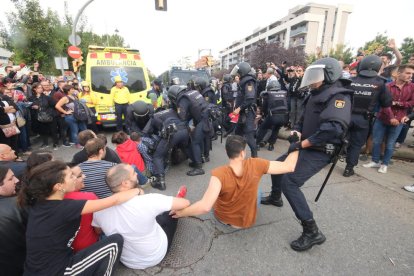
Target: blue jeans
x=74 y=127
x=142 y=179
x=379 y=132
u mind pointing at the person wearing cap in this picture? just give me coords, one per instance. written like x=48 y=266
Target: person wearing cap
x=90 y=99
x=120 y=95
x=155 y=94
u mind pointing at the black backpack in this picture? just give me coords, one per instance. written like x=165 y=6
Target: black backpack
x=80 y=111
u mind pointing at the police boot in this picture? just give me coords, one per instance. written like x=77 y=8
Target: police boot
x=310 y=236
x=159 y=183
x=196 y=171
x=271 y=147
x=348 y=171
x=275 y=198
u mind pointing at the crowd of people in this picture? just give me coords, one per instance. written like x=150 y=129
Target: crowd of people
x=80 y=217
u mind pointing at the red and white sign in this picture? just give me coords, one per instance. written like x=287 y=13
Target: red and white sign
x=74 y=52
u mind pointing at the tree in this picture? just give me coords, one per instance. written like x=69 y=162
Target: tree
x=342 y=53
x=377 y=46
x=274 y=52
x=407 y=49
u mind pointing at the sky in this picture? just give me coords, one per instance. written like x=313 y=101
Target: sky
x=188 y=26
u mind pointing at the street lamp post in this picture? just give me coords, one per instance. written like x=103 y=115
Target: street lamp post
x=77 y=19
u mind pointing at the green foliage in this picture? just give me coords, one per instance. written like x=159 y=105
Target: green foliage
x=37 y=35
x=377 y=46
x=407 y=49
x=342 y=53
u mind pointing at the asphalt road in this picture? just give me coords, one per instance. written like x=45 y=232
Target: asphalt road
x=368 y=221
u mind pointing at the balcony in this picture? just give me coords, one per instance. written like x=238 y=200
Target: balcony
x=297 y=42
x=298 y=31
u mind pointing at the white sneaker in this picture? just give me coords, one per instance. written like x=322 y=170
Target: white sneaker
x=383 y=169
x=409 y=188
x=372 y=164
x=397 y=145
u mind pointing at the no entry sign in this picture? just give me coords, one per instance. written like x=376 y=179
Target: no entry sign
x=74 y=52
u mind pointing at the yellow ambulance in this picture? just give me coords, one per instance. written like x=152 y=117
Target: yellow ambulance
x=103 y=64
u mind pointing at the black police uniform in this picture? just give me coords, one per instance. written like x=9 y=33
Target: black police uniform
x=246 y=99
x=227 y=102
x=369 y=93
x=192 y=106
x=172 y=131
x=137 y=124
x=209 y=95
x=276 y=115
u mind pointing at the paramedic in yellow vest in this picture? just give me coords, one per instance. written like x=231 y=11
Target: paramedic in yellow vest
x=90 y=99
x=120 y=96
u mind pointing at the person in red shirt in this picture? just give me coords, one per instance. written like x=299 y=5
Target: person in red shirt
x=86 y=235
x=389 y=126
x=127 y=150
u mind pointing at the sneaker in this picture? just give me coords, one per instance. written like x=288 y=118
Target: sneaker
x=372 y=164
x=363 y=157
x=411 y=145
x=409 y=188
x=66 y=144
x=383 y=169
x=70 y=143
x=43 y=146
x=397 y=145
x=182 y=192
x=78 y=146
x=55 y=147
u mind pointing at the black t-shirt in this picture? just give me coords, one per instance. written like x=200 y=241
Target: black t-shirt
x=52 y=226
x=12 y=237
x=82 y=156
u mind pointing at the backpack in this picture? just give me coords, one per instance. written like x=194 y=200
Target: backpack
x=80 y=111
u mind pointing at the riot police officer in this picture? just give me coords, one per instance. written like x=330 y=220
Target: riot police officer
x=155 y=94
x=370 y=91
x=190 y=105
x=205 y=90
x=227 y=103
x=321 y=128
x=246 y=104
x=275 y=109
x=172 y=132
x=214 y=86
x=138 y=118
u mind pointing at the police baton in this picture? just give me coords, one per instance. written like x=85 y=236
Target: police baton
x=334 y=161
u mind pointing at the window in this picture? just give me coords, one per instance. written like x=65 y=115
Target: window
x=101 y=79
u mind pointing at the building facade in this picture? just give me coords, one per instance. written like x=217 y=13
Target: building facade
x=310 y=27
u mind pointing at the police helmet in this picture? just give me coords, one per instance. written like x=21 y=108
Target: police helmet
x=191 y=83
x=273 y=85
x=140 y=108
x=200 y=84
x=369 y=66
x=174 y=91
x=326 y=70
x=227 y=78
x=243 y=69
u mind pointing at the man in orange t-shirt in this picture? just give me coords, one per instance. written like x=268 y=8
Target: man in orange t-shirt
x=232 y=191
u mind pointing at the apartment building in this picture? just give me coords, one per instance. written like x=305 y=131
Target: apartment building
x=308 y=27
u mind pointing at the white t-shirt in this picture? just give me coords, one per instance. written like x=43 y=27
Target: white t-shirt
x=145 y=243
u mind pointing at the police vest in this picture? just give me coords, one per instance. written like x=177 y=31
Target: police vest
x=197 y=103
x=209 y=95
x=164 y=118
x=277 y=102
x=322 y=106
x=366 y=93
x=159 y=97
x=227 y=93
x=247 y=90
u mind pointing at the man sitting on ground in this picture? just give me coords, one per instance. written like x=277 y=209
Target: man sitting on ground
x=81 y=156
x=8 y=159
x=144 y=221
x=233 y=188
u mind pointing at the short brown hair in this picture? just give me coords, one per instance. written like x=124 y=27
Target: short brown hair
x=93 y=146
x=402 y=68
x=135 y=137
x=85 y=135
x=119 y=137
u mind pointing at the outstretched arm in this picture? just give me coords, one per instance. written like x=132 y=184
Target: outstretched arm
x=287 y=166
x=204 y=205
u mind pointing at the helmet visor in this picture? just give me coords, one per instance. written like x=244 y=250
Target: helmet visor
x=313 y=74
x=235 y=70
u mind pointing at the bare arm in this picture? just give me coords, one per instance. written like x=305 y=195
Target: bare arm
x=287 y=166
x=397 y=53
x=92 y=206
x=59 y=105
x=179 y=203
x=204 y=205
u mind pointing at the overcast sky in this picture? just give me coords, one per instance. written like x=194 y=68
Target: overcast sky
x=189 y=25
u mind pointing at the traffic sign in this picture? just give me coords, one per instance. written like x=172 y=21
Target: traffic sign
x=75 y=40
x=74 y=52
x=61 y=63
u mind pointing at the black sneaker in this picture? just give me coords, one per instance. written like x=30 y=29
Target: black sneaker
x=66 y=144
x=348 y=172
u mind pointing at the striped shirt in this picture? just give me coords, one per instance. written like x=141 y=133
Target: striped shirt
x=95 y=172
